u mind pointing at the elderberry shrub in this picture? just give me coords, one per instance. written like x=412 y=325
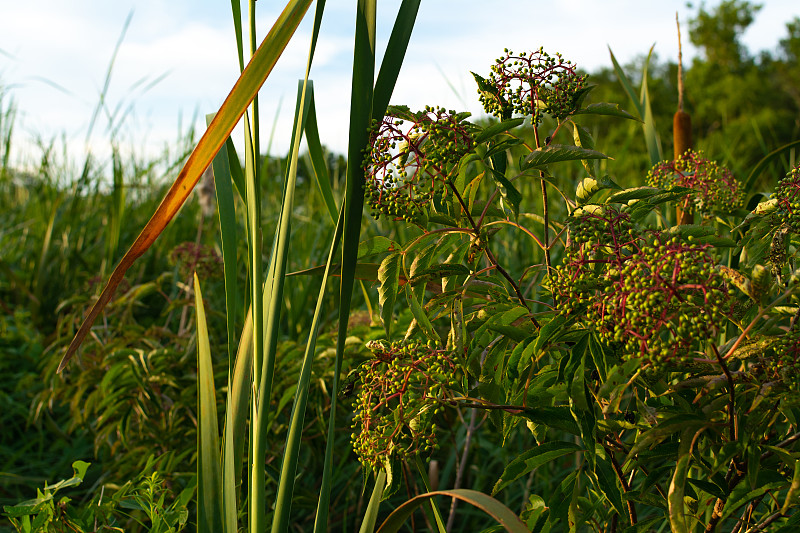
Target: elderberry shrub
x=411 y=158
x=532 y=83
x=657 y=296
x=713 y=187
x=401 y=388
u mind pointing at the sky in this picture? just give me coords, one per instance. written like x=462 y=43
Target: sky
x=177 y=60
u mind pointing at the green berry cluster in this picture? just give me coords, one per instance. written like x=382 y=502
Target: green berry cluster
x=666 y=302
x=714 y=187
x=411 y=157
x=785 y=364
x=788 y=195
x=657 y=296
x=532 y=83
x=601 y=238
x=402 y=388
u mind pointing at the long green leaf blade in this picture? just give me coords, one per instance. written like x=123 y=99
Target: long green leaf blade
x=209 y=501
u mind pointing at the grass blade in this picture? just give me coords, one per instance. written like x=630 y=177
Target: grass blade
x=318 y=159
x=209 y=508
x=289 y=466
x=371 y=514
x=504 y=516
x=360 y=114
x=210 y=143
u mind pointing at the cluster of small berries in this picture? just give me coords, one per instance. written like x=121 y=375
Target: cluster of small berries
x=411 y=157
x=785 y=364
x=532 y=83
x=402 y=388
x=190 y=257
x=657 y=296
x=788 y=195
x=713 y=187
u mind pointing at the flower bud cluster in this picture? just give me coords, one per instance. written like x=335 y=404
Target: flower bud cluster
x=655 y=295
x=402 y=388
x=409 y=162
x=529 y=83
x=714 y=187
x=788 y=195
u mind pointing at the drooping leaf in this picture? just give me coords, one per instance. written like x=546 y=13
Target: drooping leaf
x=556 y=153
x=605 y=108
x=498 y=127
x=532 y=459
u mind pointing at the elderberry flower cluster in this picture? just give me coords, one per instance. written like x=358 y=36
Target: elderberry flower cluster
x=657 y=296
x=788 y=195
x=402 y=387
x=411 y=157
x=531 y=83
x=713 y=187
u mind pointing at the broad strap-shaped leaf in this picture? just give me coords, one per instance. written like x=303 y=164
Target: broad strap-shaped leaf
x=243 y=92
x=389 y=278
x=504 y=516
x=605 y=108
x=556 y=153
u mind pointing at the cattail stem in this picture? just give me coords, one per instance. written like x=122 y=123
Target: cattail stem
x=681 y=130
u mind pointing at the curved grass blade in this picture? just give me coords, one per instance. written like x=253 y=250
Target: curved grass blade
x=210 y=143
x=504 y=516
x=766 y=160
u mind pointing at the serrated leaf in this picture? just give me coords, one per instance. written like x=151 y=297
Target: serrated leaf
x=376 y=245
x=437 y=272
x=556 y=153
x=709 y=487
x=498 y=127
x=532 y=459
x=507 y=190
x=591 y=185
x=521 y=354
x=605 y=108
x=419 y=315
x=635 y=193
x=389 y=278
x=607 y=479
